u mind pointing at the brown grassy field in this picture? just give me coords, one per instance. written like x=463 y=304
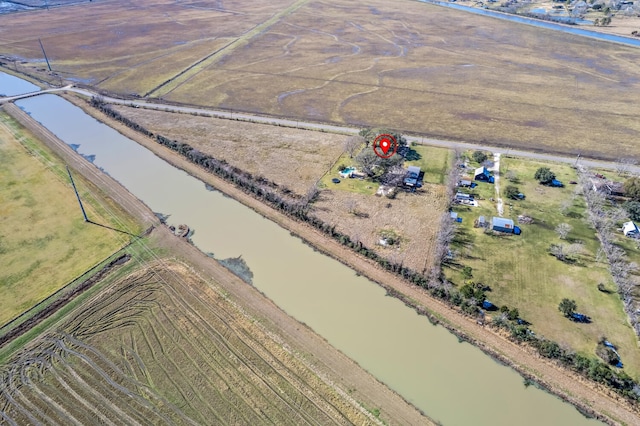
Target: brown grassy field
x=294 y=158
x=162 y=346
x=426 y=69
x=414 y=218
x=44 y=241
x=128 y=47
x=401 y=64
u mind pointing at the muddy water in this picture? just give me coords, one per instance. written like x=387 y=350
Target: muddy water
x=452 y=382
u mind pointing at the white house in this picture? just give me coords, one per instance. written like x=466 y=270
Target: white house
x=630 y=229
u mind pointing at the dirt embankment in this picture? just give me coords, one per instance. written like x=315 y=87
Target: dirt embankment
x=587 y=395
x=349 y=378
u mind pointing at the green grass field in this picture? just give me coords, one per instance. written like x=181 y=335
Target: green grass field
x=522 y=273
x=432 y=160
x=359 y=186
x=44 y=241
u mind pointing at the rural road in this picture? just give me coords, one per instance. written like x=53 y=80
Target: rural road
x=586 y=162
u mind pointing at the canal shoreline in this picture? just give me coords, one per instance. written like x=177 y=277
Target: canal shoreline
x=590 y=398
x=336 y=368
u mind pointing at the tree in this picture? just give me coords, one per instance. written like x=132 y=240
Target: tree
x=632 y=188
x=567 y=307
x=513 y=314
x=563 y=230
x=367 y=160
x=479 y=156
x=512 y=176
x=352 y=144
x=512 y=192
x=544 y=175
x=633 y=208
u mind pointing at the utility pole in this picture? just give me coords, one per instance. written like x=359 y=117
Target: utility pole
x=45 y=54
x=86 y=219
x=577 y=158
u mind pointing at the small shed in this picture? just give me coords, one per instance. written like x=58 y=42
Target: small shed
x=462 y=197
x=630 y=229
x=482 y=222
x=465 y=183
x=413 y=176
x=501 y=224
x=483 y=174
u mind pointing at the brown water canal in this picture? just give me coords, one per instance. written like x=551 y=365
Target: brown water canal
x=452 y=382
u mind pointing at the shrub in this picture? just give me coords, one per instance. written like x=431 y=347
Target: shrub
x=544 y=175
x=479 y=156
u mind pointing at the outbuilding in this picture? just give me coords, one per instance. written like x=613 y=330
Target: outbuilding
x=483 y=174
x=630 y=229
x=502 y=224
x=413 y=177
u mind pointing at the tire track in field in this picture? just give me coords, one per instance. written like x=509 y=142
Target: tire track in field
x=214 y=333
x=246 y=344
x=195 y=366
x=188 y=73
x=226 y=344
x=92 y=364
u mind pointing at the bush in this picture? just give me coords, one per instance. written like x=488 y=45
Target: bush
x=544 y=175
x=512 y=192
x=467 y=272
x=479 y=156
x=513 y=314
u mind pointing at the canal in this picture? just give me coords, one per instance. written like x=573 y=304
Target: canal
x=452 y=382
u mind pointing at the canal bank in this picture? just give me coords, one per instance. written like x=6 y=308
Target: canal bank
x=425 y=364
x=590 y=398
x=341 y=373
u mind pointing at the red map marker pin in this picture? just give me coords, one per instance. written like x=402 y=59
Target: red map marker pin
x=385 y=145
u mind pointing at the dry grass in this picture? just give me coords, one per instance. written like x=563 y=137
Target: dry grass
x=44 y=241
x=129 y=47
x=162 y=346
x=412 y=217
x=294 y=158
x=402 y=64
x=449 y=74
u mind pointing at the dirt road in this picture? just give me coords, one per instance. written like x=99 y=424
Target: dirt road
x=564 y=383
x=324 y=127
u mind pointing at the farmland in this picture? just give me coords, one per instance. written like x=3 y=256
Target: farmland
x=521 y=273
x=44 y=241
x=162 y=345
x=289 y=157
x=405 y=65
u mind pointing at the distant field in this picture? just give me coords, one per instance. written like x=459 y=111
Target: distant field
x=44 y=241
x=290 y=157
x=128 y=47
x=401 y=64
x=161 y=346
x=521 y=273
x=422 y=68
